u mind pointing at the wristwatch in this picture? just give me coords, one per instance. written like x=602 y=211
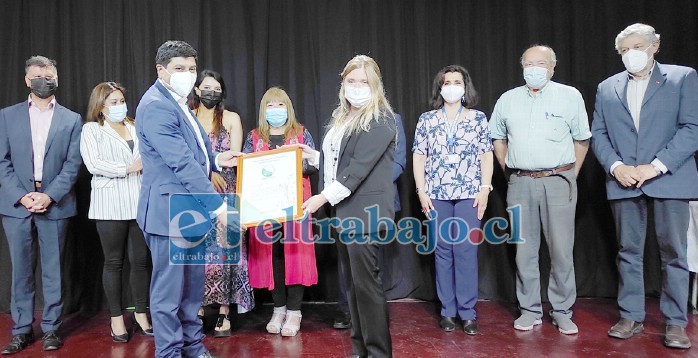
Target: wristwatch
x=488 y=186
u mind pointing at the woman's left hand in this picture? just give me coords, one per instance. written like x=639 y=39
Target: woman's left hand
x=314 y=203
x=481 y=202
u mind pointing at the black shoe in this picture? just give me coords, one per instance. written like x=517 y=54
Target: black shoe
x=143 y=332
x=447 y=324
x=219 y=324
x=18 y=343
x=118 y=338
x=470 y=327
x=342 y=321
x=52 y=341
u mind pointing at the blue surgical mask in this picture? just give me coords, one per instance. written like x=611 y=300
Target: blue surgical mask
x=117 y=113
x=276 y=117
x=535 y=77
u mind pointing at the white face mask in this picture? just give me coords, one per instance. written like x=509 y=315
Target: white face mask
x=452 y=93
x=635 y=60
x=182 y=82
x=357 y=96
x=117 y=113
x=535 y=77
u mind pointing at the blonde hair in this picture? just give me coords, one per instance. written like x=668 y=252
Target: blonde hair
x=276 y=94
x=377 y=108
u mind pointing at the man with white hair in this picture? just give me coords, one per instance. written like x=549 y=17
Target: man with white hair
x=541 y=133
x=645 y=132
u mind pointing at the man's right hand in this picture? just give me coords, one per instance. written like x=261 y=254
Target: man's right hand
x=27 y=201
x=626 y=175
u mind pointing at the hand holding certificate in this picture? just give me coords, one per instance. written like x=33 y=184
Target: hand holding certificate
x=269 y=185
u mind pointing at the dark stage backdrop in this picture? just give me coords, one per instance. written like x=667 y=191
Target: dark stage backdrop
x=302 y=46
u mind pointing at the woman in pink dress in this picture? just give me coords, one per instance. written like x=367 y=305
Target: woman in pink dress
x=283 y=268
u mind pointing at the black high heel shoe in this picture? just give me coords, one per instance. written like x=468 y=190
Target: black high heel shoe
x=120 y=338
x=143 y=332
x=219 y=323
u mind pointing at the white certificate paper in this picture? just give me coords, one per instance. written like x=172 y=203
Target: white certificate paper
x=269 y=186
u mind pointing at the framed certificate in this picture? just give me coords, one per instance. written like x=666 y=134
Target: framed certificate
x=269 y=186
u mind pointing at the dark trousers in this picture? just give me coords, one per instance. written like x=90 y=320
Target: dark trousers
x=456 y=263
x=370 y=332
x=671 y=225
x=20 y=233
x=290 y=296
x=176 y=293
x=116 y=237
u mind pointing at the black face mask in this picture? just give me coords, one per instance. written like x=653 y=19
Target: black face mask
x=210 y=99
x=43 y=88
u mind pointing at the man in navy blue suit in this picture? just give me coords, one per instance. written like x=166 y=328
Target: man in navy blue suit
x=644 y=134
x=39 y=163
x=177 y=158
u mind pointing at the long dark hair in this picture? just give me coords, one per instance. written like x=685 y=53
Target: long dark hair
x=195 y=101
x=470 y=97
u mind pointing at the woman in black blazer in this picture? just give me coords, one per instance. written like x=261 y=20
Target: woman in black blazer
x=356 y=174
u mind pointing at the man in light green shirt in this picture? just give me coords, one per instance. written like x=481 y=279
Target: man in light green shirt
x=541 y=132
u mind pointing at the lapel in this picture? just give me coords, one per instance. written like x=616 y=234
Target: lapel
x=656 y=81
x=185 y=120
x=57 y=123
x=24 y=131
x=621 y=91
x=343 y=147
x=108 y=130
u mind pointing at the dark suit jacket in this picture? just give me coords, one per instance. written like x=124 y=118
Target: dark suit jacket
x=365 y=167
x=61 y=161
x=668 y=131
x=173 y=161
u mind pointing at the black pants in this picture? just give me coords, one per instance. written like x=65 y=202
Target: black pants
x=117 y=236
x=290 y=296
x=370 y=329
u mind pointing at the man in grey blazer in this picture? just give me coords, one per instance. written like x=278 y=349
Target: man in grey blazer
x=39 y=163
x=644 y=134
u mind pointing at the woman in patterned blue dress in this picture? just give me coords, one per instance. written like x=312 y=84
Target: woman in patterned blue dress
x=453 y=164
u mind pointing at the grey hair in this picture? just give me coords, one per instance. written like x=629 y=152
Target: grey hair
x=646 y=31
x=40 y=61
x=553 y=57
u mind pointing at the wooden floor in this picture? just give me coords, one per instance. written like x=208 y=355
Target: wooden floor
x=414 y=330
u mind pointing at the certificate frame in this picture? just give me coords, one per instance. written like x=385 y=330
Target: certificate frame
x=248 y=169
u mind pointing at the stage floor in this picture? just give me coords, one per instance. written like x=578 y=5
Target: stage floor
x=414 y=330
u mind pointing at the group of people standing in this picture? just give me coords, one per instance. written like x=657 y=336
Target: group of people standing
x=183 y=140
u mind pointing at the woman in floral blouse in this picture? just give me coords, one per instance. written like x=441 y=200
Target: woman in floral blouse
x=453 y=166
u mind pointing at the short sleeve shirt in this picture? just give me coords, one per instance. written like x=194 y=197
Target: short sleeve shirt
x=460 y=180
x=540 y=129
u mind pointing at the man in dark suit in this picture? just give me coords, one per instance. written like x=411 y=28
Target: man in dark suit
x=177 y=158
x=644 y=134
x=39 y=163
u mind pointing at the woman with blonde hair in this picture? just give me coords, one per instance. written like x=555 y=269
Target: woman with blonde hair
x=109 y=149
x=283 y=268
x=356 y=174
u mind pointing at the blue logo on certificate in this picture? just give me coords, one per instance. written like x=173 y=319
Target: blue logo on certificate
x=195 y=237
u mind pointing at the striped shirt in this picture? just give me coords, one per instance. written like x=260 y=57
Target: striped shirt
x=107 y=156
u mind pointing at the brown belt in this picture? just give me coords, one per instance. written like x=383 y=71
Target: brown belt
x=37 y=185
x=544 y=173
x=536 y=174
